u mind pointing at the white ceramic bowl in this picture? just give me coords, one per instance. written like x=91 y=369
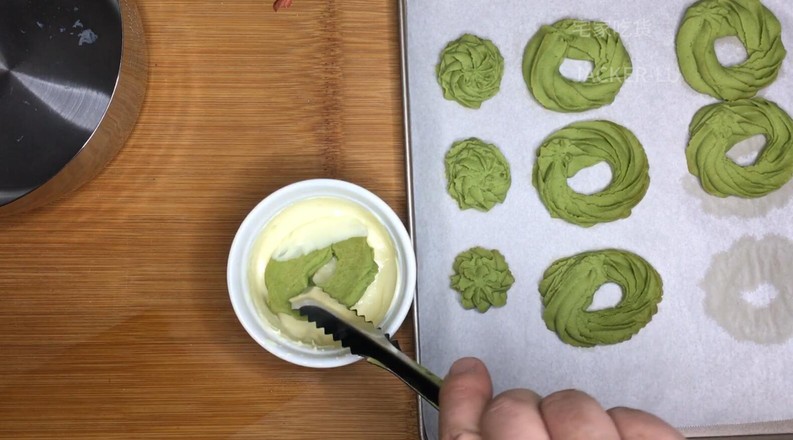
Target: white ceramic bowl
x=239 y=258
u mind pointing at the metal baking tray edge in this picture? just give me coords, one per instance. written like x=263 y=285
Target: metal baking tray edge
x=770 y=430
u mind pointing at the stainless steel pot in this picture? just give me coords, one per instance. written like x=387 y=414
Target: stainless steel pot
x=73 y=77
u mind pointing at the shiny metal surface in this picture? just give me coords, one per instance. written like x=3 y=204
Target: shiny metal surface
x=364 y=339
x=60 y=63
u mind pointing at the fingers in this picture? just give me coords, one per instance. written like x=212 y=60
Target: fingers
x=574 y=415
x=465 y=393
x=514 y=415
x=638 y=425
x=465 y=405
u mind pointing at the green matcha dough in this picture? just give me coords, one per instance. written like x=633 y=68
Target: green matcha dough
x=581 y=145
x=482 y=277
x=470 y=70
x=577 y=40
x=569 y=286
x=477 y=174
x=354 y=271
x=748 y=20
x=716 y=128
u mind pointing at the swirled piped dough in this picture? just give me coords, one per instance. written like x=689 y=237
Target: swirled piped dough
x=716 y=128
x=581 y=145
x=482 y=277
x=754 y=25
x=578 y=40
x=569 y=286
x=477 y=174
x=470 y=70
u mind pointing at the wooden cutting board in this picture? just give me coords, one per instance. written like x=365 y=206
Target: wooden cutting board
x=114 y=315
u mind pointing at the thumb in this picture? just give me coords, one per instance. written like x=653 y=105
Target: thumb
x=465 y=393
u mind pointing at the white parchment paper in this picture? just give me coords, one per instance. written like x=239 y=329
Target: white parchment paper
x=684 y=365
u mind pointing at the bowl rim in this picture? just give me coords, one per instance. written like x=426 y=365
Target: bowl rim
x=257 y=219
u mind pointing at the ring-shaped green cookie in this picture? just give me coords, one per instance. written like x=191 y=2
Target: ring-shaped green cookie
x=757 y=28
x=716 y=128
x=578 y=40
x=581 y=145
x=569 y=286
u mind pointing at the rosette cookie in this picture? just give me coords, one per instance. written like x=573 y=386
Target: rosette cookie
x=569 y=286
x=581 y=145
x=470 y=70
x=716 y=128
x=477 y=174
x=578 y=40
x=482 y=277
x=748 y=20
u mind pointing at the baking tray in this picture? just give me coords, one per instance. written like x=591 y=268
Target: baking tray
x=771 y=430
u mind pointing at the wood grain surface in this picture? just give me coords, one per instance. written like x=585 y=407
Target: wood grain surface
x=115 y=320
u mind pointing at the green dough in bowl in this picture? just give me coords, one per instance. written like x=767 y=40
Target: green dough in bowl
x=477 y=174
x=748 y=20
x=354 y=269
x=482 y=277
x=470 y=70
x=578 y=40
x=569 y=286
x=581 y=145
x=716 y=128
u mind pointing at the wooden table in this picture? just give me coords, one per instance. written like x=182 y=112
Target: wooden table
x=114 y=315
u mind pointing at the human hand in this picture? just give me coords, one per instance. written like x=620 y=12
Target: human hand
x=468 y=411
x=279 y=4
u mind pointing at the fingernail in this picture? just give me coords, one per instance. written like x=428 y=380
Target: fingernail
x=464 y=366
